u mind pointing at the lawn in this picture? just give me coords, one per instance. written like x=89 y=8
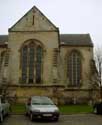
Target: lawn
x=18 y=108
x=75 y=109
x=64 y=109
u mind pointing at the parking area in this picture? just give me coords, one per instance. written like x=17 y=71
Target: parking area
x=79 y=119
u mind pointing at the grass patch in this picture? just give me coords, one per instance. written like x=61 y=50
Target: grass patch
x=75 y=109
x=64 y=109
x=18 y=108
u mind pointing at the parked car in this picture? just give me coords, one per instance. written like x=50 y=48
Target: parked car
x=4 y=108
x=97 y=108
x=41 y=107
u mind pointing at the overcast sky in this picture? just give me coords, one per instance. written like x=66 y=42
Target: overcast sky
x=71 y=16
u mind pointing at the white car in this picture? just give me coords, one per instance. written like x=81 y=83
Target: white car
x=4 y=108
x=41 y=107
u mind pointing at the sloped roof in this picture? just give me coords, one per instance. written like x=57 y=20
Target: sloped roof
x=33 y=20
x=76 y=40
x=65 y=39
x=3 y=39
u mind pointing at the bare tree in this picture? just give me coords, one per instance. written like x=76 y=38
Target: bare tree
x=98 y=62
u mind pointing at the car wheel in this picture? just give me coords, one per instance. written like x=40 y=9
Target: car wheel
x=1 y=117
x=31 y=117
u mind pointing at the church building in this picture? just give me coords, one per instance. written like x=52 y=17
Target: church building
x=35 y=59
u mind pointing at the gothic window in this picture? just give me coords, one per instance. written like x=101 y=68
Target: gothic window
x=24 y=63
x=2 y=57
x=74 y=68
x=31 y=63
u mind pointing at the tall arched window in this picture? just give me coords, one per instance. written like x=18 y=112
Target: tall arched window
x=74 y=68
x=31 y=62
x=24 y=63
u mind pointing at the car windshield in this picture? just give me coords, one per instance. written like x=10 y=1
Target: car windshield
x=42 y=101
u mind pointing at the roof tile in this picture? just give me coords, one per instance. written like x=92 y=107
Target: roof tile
x=76 y=40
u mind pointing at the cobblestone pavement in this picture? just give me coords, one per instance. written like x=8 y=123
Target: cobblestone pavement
x=80 y=119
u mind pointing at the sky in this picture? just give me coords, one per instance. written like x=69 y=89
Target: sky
x=71 y=16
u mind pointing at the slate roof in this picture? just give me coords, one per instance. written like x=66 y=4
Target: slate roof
x=75 y=40
x=65 y=39
x=3 y=39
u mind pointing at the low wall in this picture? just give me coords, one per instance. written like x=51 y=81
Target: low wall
x=59 y=94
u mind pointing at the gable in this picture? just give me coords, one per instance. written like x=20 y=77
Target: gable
x=33 y=20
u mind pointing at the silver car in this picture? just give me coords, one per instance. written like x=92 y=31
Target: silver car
x=41 y=107
x=4 y=108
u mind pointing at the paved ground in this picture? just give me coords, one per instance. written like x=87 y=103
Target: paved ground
x=81 y=119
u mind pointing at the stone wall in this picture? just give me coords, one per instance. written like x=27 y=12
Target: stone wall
x=49 y=41
x=59 y=94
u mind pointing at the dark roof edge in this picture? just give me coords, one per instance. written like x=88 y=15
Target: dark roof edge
x=77 y=45
x=87 y=34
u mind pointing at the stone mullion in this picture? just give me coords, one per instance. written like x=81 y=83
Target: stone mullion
x=27 y=80
x=35 y=65
x=30 y=63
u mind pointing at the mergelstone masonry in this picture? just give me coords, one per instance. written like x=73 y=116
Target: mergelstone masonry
x=35 y=59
